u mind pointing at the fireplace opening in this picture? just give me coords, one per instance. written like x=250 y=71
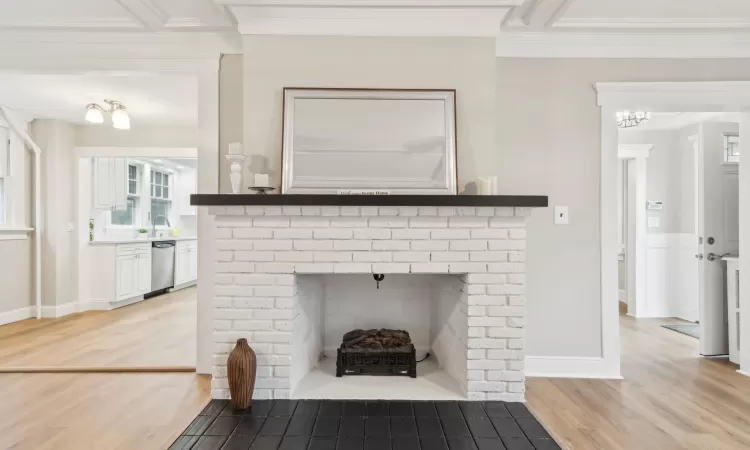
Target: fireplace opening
x=376 y=352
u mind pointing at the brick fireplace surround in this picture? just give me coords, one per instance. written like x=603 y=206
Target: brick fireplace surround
x=266 y=255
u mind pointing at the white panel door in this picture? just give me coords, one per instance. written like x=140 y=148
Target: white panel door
x=144 y=273
x=127 y=274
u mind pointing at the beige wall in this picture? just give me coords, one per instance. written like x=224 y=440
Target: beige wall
x=549 y=143
x=137 y=136
x=230 y=112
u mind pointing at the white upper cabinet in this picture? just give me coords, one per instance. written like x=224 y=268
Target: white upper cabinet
x=186 y=185
x=110 y=188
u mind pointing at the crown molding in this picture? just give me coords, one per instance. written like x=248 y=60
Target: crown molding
x=695 y=23
x=377 y=3
x=684 y=96
x=622 y=44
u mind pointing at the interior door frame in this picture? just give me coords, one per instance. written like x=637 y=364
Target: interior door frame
x=709 y=96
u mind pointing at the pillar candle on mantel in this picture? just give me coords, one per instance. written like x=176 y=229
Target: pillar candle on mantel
x=261 y=180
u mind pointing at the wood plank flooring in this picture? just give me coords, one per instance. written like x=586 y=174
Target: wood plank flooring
x=670 y=398
x=158 y=332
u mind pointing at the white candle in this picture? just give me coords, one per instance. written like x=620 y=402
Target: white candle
x=235 y=148
x=261 y=180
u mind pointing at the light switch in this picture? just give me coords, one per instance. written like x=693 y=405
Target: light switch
x=654 y=222
x=561 y=215
x=71 y=226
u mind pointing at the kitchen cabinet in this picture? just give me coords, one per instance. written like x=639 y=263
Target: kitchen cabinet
x=186 y=262
x=110 y=186
x=733 y=307
x=133 y=270
x=184 y=186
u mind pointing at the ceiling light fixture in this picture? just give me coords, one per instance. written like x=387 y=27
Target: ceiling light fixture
x=94 y=113
x=120 y=118
x=629 y=119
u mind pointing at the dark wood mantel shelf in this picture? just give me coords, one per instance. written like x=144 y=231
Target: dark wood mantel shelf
x=524 y=201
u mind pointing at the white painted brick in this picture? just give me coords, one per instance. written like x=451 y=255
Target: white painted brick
x=489 y=256
x=429 y=246
x=506 y=289
x=450 y=234
x=506 y=222
x=516 y=256
x=489 y=278
x=273 y=244
x=450 y=256
x=348 y=222
x=477 y=311
x=282 y=372
x=253 y=325
x=254 y=210
x=523 y=211
x=234 y=244
x=390 y=268
x=314 y=268
x=487 y=386
x=411 y=234
x=284 y=303
x=368 y=211
x=291 y=210
x=292 y=233
x=285 y=280
x=489 y=234
x=217 y=210
x=274 y=314
x=333 y=233
x=427 y=211
x=281 y=337
x=485 y=211
x=389 y=222
x=223 y=256
x=505 y=333
x=429 y=268
x=294 y=256
x=232 y=291
x=254 y=279
x=507 y=245
x=486 y=321
x=506 y=311
x=487 y=300
x=516 y=387
x=231 y=314
x=274 y=360
x=487 y=364
x=373 y=256
x=517 y=365
x=506 y=268
x=274 y=291
x=264 y=372
x=311 y=210
x=235 y=211
x=283 y=325
x=468 y=222
x=282 y=349
x=254 y=302
x=411 y=257
x=314 y=245
x=254 y=256
x=476 y=353
x=332 y=256
x=281 y=394
x=486 y=343
x=252 y=233
x=516 y=300
x=372 y=233
x=390 y=245
x=478 y=289
x=516 y=344
x=466 y=211
x=517 y=233
x=476 y=396
x=505 y=354
x=468 y=267
x=223 y=302
x=272 y=210
x=517 y=278
x=330 y=211
x=350 y=211
x=387 y=211
x=475 y=375
x=234 y=267
x=516 y=322
x=271 y=222
x=428 y=222
x=220 y=325
x=223 y=233
x=408 y=211
x=352 y=268
x=310 y=222
x=468 y=245
x=445 y=211
x=476 y=332
x=504 y=212
x=234 y=222
x=353 y=245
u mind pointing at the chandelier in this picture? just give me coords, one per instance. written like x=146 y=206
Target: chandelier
x=629 y=119
x=120 y=118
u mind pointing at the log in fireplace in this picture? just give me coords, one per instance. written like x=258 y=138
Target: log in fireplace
x=376 y=352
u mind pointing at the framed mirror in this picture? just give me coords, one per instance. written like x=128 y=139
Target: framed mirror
x=362 y=140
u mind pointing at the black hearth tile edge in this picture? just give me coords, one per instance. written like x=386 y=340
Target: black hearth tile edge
x=531 y=435
x=523 y=201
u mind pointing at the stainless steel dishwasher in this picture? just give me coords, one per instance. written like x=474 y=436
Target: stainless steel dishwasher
x=162 y=265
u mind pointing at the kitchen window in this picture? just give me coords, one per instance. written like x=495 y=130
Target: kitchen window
x=161 y=202
x=129 y=216
x=731 y=148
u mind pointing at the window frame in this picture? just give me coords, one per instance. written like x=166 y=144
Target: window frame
x=161 y=199
x=727 y=137
x=13 y=215
x=136 y=198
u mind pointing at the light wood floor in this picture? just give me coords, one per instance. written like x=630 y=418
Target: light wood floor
x=670 y=398
x=157 y=332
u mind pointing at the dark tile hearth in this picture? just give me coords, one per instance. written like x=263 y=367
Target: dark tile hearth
x=360 y=425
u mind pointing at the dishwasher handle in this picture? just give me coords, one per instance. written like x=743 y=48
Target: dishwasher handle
x=163 y=244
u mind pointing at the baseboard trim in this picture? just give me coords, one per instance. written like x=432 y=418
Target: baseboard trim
x=14 y=315
x=742 y=372
x=570 y=367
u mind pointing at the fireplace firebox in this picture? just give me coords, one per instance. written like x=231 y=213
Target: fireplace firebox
x=376 y=352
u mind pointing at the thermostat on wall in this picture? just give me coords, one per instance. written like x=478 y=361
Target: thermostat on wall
x=654 y=205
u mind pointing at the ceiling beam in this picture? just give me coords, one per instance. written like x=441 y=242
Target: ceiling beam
x=146 y=12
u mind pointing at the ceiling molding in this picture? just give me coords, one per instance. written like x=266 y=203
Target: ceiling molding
x=377 y=3
x=622 y=44
x=683 y=96
x=537 y=14
x=651 y=23
x=629 y=151
x=77 y=24
x=146 y=12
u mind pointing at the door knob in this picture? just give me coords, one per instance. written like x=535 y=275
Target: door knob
x=699 y=256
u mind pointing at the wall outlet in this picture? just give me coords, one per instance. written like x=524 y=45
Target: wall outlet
x=561 y=215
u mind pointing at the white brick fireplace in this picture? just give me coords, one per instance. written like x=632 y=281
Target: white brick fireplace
x=293 y=279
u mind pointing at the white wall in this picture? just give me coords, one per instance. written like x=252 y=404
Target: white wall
x=138 y=136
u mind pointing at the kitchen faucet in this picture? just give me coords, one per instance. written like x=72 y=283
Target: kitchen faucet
x=153 y=223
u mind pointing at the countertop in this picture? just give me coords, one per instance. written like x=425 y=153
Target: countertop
x=529 y=201
x=141 y=241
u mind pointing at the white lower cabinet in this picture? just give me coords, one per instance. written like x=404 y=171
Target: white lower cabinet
x=133 y=270
x=733 y=308
x=186 y=262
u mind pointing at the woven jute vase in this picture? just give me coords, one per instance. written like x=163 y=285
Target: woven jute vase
x=241 y=367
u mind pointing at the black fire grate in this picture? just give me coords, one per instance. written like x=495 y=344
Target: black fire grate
x=376 y=352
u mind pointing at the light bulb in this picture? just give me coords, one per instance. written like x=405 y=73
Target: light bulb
x=94 y=113
x=120 y=118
